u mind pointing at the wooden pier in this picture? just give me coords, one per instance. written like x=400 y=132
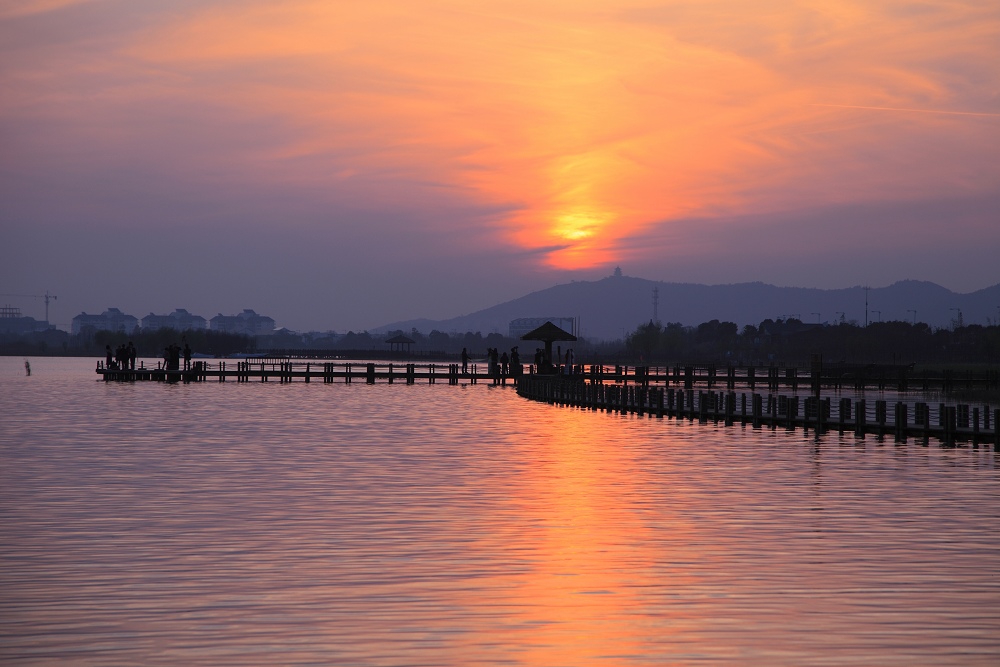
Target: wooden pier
x=900 y=419
x=772 y=378
x=310 y=371
x=639 y=390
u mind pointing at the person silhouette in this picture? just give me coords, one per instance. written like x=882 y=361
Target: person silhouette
x=491 y=355
x=465 y=361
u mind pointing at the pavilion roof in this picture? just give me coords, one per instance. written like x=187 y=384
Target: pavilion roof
x=548 y=332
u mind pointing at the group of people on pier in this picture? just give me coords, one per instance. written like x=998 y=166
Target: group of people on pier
x=499 y=364
x=172 y=357
x=557 y=364
x=123 y=357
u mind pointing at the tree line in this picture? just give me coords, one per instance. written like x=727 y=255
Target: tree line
x=789 y=341
x=793 y=341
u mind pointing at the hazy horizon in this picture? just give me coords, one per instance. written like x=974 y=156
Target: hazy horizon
x=340 y=166
x=39 y=306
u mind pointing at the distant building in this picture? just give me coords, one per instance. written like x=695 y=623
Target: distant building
x=247 y=323
x=523 y=325
x=180 y=319
x=111 y=319
x=12 y=322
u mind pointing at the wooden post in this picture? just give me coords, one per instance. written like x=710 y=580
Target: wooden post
x=996 y=430
x=816 y=372
x=975 y=426
x=880 y=416
x=952 y=420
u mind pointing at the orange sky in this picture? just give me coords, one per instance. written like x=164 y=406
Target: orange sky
x=580 y=134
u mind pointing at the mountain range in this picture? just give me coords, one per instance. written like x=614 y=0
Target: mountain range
x=611 y=307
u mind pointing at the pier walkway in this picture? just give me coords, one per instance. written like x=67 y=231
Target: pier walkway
x=643 y=391
x=308 y=371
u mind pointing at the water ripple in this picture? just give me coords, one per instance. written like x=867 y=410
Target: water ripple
x=236 y=524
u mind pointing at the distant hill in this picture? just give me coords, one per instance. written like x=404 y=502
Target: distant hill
x=607 y=307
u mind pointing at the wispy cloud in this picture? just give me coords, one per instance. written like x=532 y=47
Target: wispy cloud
x=562 y=129
x=15 y=8
x=931 y=111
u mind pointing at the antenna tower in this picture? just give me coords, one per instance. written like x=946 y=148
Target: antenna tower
x=656 y=304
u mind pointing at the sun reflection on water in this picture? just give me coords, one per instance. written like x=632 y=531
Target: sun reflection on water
x=239 y=523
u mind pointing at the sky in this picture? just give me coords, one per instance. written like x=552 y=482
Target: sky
x=343 y=165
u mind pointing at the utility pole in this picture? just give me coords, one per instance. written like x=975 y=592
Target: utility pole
x=866 y=305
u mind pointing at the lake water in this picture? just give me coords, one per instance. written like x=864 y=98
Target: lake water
x=313 y=524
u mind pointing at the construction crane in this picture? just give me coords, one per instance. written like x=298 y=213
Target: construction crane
x=48 y=297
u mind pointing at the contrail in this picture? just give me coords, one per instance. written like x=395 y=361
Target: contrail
x=950 y=113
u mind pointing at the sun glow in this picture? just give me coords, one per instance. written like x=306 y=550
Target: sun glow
x=577 y=226
x=568 y=132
